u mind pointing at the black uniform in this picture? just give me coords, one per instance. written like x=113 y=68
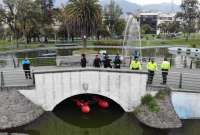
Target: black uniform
x=106 y=63
x=26 y=68
x=97 y=62
x=117 y=62
x=83 y=62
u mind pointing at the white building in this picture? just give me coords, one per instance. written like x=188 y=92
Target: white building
x=155 y=19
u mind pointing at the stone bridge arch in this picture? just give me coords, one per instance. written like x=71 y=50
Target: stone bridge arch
x=122 y=86
x=91 y=94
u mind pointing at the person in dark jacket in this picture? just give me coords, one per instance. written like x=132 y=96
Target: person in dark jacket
x=83 y=61
x=97 y=62
x=26 y=67
x=117 y=61
x=107 y=61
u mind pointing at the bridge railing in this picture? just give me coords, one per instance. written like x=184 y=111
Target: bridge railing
x=15 y=78
x=178 y=81
x=175 y=80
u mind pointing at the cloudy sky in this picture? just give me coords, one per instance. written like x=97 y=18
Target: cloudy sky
x=144 y=2
x=141 y=2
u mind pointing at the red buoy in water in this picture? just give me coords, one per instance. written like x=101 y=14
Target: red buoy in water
x=103 y=104
x=85 y=109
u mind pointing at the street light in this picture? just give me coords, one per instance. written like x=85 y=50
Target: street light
x=56 y=28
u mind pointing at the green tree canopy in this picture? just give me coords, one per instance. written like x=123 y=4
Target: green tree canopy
x=112 y=14
x=84 y=16
x=189 y=15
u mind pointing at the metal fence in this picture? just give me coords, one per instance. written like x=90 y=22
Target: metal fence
x=15 y=78
x=179 y=81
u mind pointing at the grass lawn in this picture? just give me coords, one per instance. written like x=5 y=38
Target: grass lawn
x=158 y=42
x=194 y=42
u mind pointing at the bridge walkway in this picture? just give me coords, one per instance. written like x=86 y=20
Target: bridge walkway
x=178 y=79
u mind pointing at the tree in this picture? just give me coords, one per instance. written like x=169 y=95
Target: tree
x=146 y=29
x=119 y=27
x=8 y=15
x=46 y=17
x=189 y=15
x=84 y=16
x=112 y=14
x=163 y=28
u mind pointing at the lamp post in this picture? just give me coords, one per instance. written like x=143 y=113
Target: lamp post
x=56 y=28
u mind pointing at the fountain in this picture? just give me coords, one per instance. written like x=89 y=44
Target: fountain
x=132 y=38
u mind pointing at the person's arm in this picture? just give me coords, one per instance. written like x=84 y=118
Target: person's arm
x=94 y=63
x=140 y=66
x=156 y=66
x=131 y=65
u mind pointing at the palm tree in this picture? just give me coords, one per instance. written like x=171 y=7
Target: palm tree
x=84 y=16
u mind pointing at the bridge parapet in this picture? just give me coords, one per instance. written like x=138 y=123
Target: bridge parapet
x=125 y=87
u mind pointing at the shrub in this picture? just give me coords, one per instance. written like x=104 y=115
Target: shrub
x=193 y=45
x=108 y=42
x=146 y=99
x=150 y=102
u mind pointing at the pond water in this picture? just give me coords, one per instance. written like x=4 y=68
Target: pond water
x=67 y=119
x=178 y=60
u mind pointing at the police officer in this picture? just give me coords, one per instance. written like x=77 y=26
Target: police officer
x=97 y=62
x=26 y=67
x=107 y=61
x=165 y=67
x=135 y=64
x=117 y=61
x=151 y=67
x=83 y=61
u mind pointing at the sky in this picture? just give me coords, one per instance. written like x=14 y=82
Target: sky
x=145 y=2
x=140 y=2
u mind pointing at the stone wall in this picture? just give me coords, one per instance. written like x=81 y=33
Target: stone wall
x=165 y=118
x=16 y=110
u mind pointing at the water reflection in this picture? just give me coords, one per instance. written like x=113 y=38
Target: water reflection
x=50 y=124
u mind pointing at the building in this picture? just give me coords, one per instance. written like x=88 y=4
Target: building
x=155 y=19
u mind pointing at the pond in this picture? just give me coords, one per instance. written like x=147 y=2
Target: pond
x=127 y=124
x=67 y=119
x=48 y=57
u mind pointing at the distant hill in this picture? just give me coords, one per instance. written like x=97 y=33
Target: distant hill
x=132 y=7
x=163 y=7
x=125 y=5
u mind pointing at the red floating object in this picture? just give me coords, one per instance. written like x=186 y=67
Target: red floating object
x=85 y=109
x=103 y=104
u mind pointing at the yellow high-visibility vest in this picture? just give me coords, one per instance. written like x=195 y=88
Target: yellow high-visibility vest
x=152 y=66
x=135 y=65
x=165 y=65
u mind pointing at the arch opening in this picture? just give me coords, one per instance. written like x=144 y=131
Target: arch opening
x=98 y=116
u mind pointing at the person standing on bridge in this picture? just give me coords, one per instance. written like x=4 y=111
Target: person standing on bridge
x=117 y=62
x=83 y=61
x=26 y=67
x=135 y=64
x=151 y=67
x=97 y=62
x=106 y=62
x=165 y=67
